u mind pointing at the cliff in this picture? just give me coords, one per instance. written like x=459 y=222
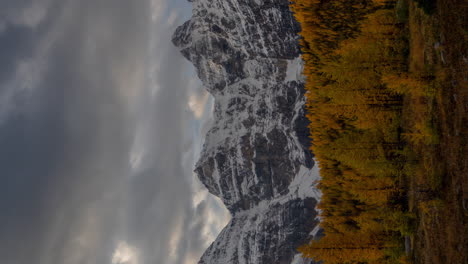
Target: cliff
x=255 y=156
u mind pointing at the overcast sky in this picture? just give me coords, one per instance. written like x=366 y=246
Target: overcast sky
x=100 y=124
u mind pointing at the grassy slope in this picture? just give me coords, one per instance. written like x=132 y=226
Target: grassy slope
x=438 y=114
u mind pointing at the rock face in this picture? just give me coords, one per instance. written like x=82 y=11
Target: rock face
x=255 y=156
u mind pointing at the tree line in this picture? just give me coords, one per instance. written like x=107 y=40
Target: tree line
x=354 y=62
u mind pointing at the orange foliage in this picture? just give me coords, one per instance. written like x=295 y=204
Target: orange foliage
x=351 y=49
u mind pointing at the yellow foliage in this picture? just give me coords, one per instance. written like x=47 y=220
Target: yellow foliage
x=354 y=86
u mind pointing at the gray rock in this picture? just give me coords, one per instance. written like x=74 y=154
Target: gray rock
x=256 y=155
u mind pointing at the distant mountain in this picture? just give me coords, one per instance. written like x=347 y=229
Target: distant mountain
x=255 y=156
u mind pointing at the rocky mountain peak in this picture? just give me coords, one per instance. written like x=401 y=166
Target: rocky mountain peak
x=256 y=155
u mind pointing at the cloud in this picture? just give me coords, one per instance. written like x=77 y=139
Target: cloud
x=157 y=9
x=28 y=13
x=198 y=98
x=97 y=136
x=125 y=254
x=65 y=129
x=166 y=166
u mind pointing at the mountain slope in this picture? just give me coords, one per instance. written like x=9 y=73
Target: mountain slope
x=255 y=156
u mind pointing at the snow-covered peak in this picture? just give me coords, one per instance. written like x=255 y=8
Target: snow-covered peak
x=256 y=155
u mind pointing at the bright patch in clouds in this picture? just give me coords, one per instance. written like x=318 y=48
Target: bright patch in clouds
x=214 y=219
x=125 y=254
x=136 y=159
x=197 y=104
x=157 y=9
x=172 y=17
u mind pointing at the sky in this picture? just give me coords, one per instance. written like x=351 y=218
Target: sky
x=101 y=122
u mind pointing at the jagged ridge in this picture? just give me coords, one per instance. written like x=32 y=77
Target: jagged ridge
x=255 y=156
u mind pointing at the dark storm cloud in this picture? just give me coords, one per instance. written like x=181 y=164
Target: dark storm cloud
x=13 y=39
x=64 y=133
x=73 y=102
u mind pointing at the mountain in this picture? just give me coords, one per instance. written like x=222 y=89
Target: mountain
x=256 y=155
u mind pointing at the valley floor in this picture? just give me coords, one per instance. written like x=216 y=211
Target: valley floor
x=438 y=188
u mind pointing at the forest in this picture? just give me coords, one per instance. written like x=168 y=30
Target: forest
x=361 y=91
